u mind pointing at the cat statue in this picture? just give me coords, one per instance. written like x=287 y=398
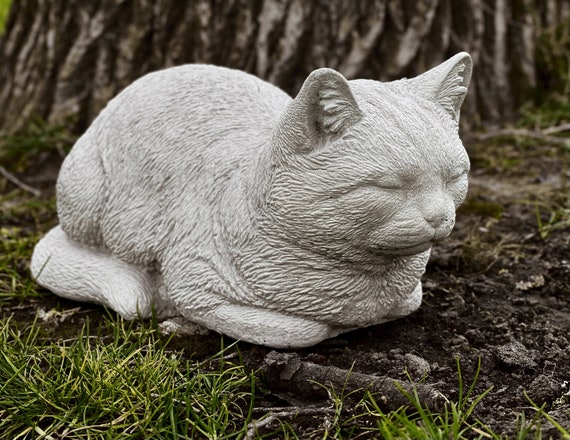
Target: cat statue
x=207 y=193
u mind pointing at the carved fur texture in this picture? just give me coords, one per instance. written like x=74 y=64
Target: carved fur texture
x=205 y=192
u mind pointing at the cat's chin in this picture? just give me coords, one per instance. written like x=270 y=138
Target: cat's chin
x=403 y=251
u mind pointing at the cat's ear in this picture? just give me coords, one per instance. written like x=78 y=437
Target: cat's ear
x=447 y=83
x=324 y=107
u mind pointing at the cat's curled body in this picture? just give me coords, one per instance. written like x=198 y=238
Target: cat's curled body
x=205 y=192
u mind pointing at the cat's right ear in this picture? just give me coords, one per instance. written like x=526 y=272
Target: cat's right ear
x=447 y=83
x=324 y=107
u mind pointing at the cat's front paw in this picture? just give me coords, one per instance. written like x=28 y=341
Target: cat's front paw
x=265 y=327
x=409 y=305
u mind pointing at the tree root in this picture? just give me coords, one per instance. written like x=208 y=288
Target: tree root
x=273 y=414
x=309 y=381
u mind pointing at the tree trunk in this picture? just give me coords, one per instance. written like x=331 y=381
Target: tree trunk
x=63 y=60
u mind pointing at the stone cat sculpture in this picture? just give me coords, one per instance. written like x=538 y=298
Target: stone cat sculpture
x=205 y=192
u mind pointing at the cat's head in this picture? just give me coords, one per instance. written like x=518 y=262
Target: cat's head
x=363 y=170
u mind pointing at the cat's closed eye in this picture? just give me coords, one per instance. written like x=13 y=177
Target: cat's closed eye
x=389 y=184
x=457 y=176
x=370 y=188
x=386 y=183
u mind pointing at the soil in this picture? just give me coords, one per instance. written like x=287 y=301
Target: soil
x=497 y=290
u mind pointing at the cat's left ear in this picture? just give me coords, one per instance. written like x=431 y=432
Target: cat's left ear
x=447 y=83
x=325 y=106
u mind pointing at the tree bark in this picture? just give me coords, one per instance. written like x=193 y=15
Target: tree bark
x=64 y=60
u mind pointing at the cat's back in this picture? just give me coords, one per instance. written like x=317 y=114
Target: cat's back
x=162 y=140
x=170 y=107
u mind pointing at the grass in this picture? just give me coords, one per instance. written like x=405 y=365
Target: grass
x=23 y=219
x=417 y=422
x=126 y=385
x=4 y=8
x=552 y=215
x=37 y=137
x=15 y=252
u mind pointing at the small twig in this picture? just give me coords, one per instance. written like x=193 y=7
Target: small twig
x=556 y=129
x=543 y=135
x=283 y=413
x=19 y=183
x=278 y=409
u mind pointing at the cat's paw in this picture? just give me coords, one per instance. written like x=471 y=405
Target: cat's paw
x=409 y=305
x=266 y=327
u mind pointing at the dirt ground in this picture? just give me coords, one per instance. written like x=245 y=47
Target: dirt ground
x=498 y=289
